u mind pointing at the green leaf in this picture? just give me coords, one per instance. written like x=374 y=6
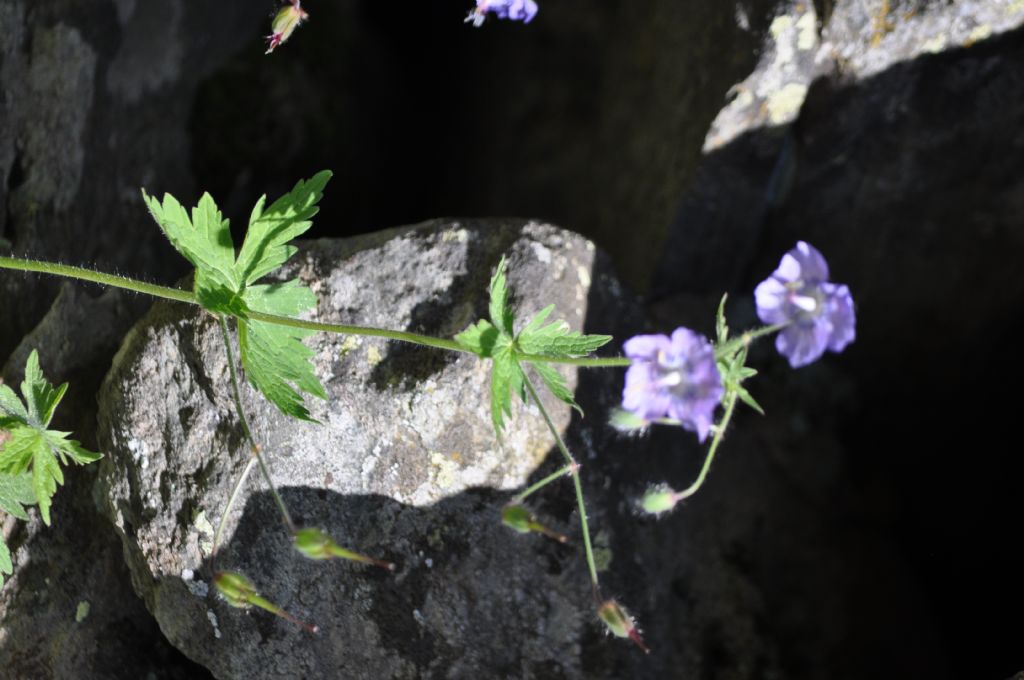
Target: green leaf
x=33 y=450
x=16 y=492
x=555 y=383
x=275 y=360
x=557 y=340
x=745 y=397
x=265 y=249
x=40 y=396
x=6 y=567
x=506 y=377
x=720 y=326
x=479 y=338
x=204 y=240
x=11 y=407
x=501 y=313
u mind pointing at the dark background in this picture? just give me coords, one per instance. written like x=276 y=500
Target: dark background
x=593 y=118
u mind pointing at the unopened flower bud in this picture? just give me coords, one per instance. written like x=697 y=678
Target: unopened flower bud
x=287 y=19
x=235 y=588
x=658 y=499
x=620 y=623
x=518 y=518
x=239 y=591
x=316 y=545
x=627 y=421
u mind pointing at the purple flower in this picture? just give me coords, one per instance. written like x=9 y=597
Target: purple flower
x=516 y=10
x=673 y=377
x=819 y=314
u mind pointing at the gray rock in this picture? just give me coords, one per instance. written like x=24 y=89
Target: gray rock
x=68 y=610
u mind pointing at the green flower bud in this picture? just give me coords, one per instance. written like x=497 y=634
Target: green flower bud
x=518 y=518
x=627 y=421
x=239 y=591
x=235 y=588
x=658 y=499
x=316 y=545
x=618 y=621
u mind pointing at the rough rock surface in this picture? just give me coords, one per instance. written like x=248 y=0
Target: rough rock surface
x=94 y=102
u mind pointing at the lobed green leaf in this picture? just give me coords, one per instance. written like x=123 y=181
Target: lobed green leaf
x=557 y=340
x=265 y=247
x=33 y=450
x=204 y=240
x=501 y=313
x=556 y=383
x=275 y=360
x=479 y=338
x=15 y=493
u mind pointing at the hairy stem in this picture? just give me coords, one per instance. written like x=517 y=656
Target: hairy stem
x=533 y=488
x=227 y=510
x=574 y=470
x=730 y=406
x=83 y=274
x=237 y=393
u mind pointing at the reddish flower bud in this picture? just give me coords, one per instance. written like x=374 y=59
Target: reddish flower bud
x=287 y=19
x=620 y=623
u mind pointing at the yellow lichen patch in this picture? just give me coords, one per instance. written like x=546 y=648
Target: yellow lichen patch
x=82 y=611
x=807 y=31
x=373 y=356
x=978 y=34
x=881 y=24
x=783 y=105
x=350 y=343
x=444 y=470
x=935 y=45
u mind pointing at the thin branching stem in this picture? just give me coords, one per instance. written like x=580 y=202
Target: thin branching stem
x=227 y=510
x=730 y=406
x=533 y=488
x=237 y=393
x=574 y=470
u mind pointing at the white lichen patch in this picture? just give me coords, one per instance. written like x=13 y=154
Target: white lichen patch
x=205 y=530
x=373 y=356
x=213 y=622
x=541 y=252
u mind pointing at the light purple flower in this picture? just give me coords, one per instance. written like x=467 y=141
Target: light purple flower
x=516 y=10
x=673 y=377
x=819 y=313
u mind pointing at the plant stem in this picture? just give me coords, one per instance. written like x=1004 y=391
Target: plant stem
x=574 y=470
x=557 y=474
x=84 y=274
x=227 y=510
x=415 y=338
x=589 y=362
x=237 y=393
x=745 y=338
x=178 y=295
x=730 y=406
